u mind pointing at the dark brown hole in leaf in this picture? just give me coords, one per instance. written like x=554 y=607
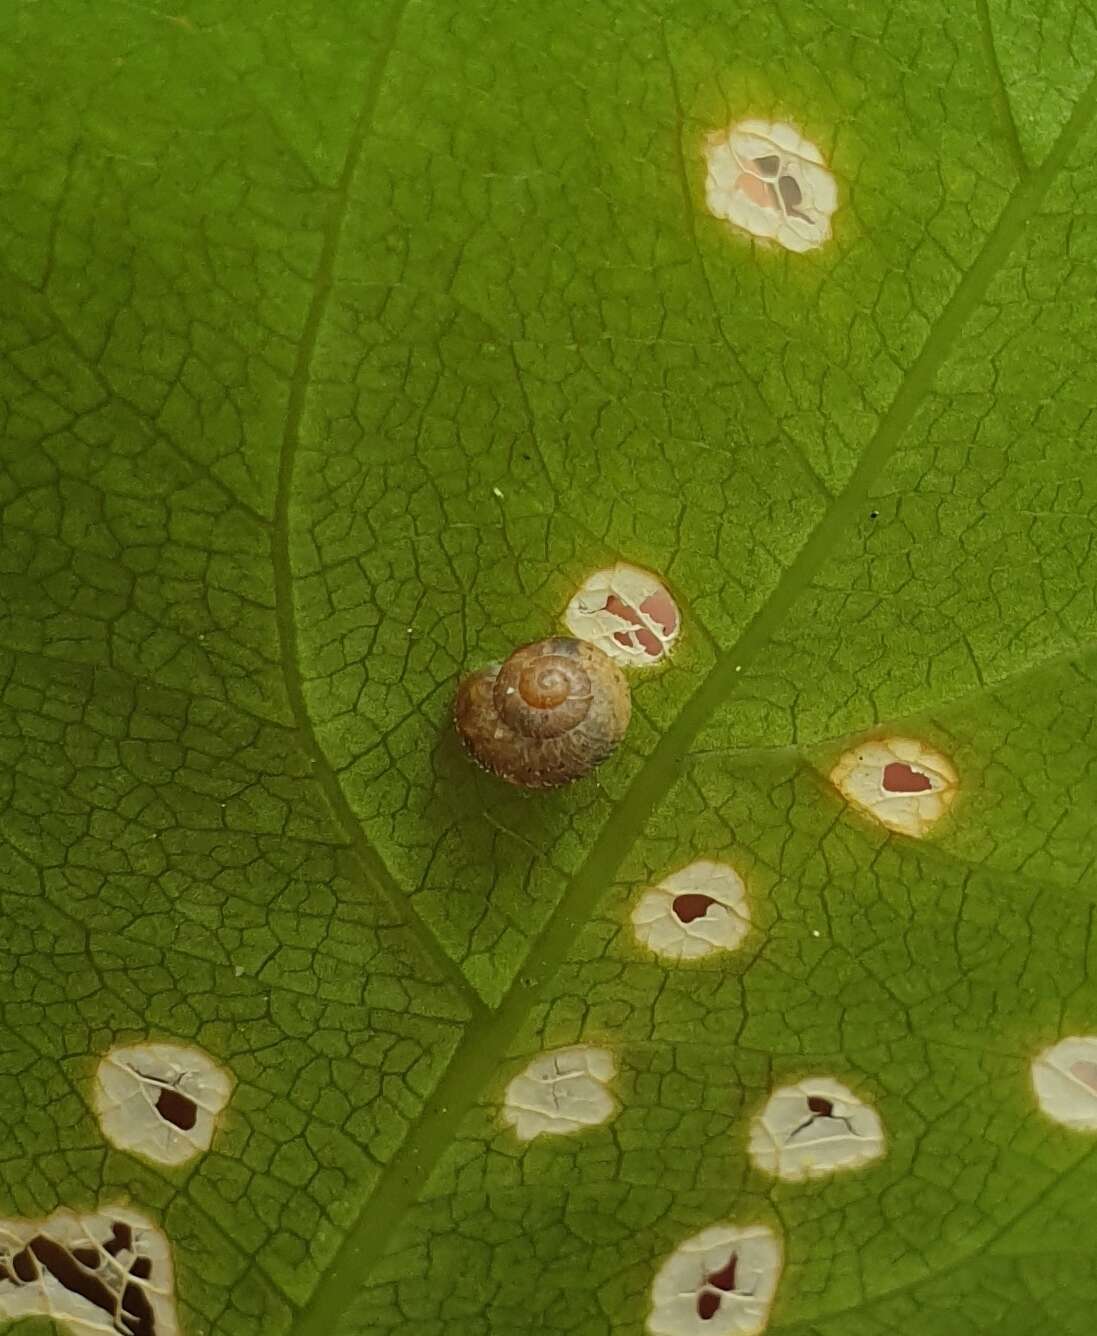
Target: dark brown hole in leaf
x=901 y=778
x=61 y=1264
x=137 y=1311
x=23 y=1265
x=691 y=906
x=177 y=1109
x=708 y=1304
x=724 y=1279
x=767 y=165
x=121 y=1239
x=89 y=1257
x=142 y=1268
x=823 y=1107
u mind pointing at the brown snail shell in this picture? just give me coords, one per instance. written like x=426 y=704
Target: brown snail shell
x=547 y=715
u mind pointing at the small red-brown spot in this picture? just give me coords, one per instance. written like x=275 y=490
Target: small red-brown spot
x=691 y=906
x=902 y=778
x=724 y=1279
x=1086 y=1072
x=662 y=610
x=708 y=1304
x=757 y=191
x=647 y=640
x=818 y=1105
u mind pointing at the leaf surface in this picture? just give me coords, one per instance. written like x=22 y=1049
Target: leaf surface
x=341 y=344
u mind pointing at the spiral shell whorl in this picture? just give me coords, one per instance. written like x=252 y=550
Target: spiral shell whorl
x=547 y=715
x=541 y=694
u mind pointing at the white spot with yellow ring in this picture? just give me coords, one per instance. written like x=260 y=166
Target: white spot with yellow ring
x=161 y=1101
x=903 y=783
x=627 y=612
x=561 y=1092
x=720 y=1282
x=698 y=911
x=767 y=179
x=1064 y=1078
x=814 y=1128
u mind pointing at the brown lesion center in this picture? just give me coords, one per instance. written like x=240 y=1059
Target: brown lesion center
x=691 y=906
x=898 y=777
x=176 y=1108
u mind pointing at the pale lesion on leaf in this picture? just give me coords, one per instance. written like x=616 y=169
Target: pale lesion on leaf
x=814 y=1128
x=104 y=1271
x=904 y=783
x=1064 y=1079
x=720 y=1282
x=765 y=178
x=160 y=1101
x=561 y=1092
x=698 y=911
x=627 y=612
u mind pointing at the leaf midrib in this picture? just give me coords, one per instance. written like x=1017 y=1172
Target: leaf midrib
x=487 y=1040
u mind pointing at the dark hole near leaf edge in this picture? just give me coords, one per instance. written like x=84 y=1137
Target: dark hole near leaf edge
x=899 y=777
x=691 y=906
x=818 y=1105
x=708 y=1304
x=177 y=1109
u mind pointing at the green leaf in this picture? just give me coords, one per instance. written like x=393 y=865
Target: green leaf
x=341 y=343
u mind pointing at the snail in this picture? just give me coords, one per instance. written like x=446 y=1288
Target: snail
x=547 y=715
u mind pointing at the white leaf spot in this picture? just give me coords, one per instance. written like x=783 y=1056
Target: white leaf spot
x=99 y=1272
x=720 y=1282
x=700 y=910
x=905 y=784
x=813 y=1128
x=765 y=178
x=628 y=613
x=560 y=1092
x=161 y=1101
x=1065 y=1080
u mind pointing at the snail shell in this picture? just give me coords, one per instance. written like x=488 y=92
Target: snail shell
x=547 y=715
